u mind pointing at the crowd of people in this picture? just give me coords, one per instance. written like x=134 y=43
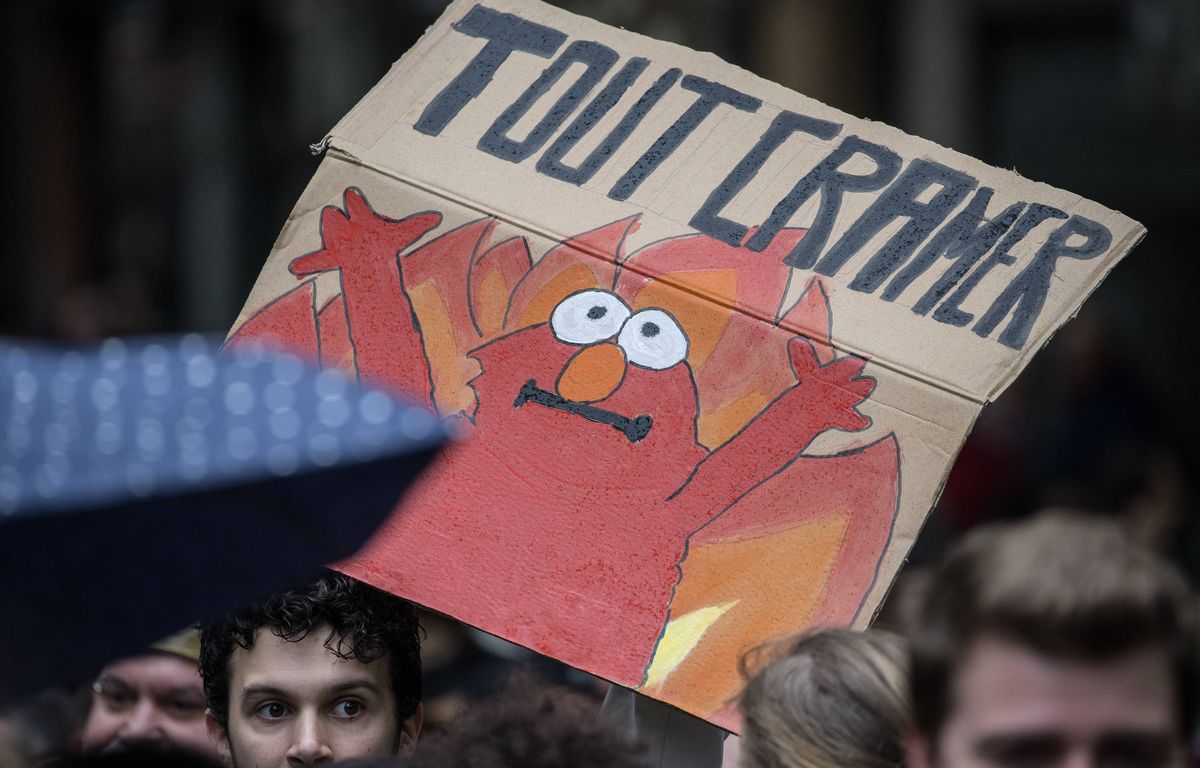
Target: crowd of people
x=1056 y=641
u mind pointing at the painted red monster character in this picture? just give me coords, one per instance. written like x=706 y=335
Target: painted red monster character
x=631 y=419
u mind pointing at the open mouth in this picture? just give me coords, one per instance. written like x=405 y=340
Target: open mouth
x=634 y=429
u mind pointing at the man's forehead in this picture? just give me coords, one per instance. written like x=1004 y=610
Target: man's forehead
x=1003 y=686
x=151 y=667
x=309 y=662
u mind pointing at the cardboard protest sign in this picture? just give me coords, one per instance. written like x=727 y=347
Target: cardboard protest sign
x=714 y=345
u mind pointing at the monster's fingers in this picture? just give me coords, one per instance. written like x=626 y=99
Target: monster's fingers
x=803 y=357
x=356 y=204
x=806 y=364
x=845 y=369
x=857 y=389
x=852 y=421
x=312 y=263
x=333 y=230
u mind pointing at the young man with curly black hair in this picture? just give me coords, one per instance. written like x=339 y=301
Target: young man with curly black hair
x=325 y=672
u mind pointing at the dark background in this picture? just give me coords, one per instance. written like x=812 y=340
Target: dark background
x=153 y=149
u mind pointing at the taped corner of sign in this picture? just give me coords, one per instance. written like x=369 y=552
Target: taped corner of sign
x=319 y=147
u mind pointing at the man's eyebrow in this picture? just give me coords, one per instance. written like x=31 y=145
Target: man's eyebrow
x=1001 y=743
x=1122 y=734
x=262 y=690
x=108 y=684
x=346 y=685
x=357 y=684
x=1150 y=746
x=177 y=690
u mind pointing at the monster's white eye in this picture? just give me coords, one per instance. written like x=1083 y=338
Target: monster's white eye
x=652 y=339
x=587 y=317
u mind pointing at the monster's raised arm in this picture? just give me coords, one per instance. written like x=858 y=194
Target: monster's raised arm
x=363 y=246
x=824 y=397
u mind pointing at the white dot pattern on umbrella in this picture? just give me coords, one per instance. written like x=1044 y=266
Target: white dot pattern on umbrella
x=279 y=396
x=201 y=371
x=333 y=412
x=375 y=408
x=143 y=418
x=285 y=425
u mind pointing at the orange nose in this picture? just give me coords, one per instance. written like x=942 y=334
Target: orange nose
x=592 y=374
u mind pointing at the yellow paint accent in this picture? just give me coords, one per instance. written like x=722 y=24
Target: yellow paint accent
x=703 y=321
x=574 y=278
x=680 y=637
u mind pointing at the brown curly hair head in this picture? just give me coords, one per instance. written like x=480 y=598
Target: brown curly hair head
x=361 y=623
x=528 y=724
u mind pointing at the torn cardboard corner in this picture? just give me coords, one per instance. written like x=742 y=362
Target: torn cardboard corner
x=715 y=344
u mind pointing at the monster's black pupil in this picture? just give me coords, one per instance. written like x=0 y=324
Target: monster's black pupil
x=649 y=330
x=597 y=312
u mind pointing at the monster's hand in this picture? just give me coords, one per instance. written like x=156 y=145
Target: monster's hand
x=824 y=397
x=357 y=240
x=832 y=392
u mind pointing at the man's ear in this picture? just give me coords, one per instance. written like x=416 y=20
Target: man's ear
x=916 y=751
x=410 y=731
x=219 y=738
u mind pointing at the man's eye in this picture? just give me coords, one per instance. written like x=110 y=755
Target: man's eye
x=115 y=696
x=348 y=708
x=184 y=708
x=272 y=710
x=1136 y=751
x=1033 y=753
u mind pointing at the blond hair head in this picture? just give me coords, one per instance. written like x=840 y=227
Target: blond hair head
x=834 y=698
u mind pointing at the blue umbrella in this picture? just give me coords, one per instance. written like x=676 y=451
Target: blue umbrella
x=149 y=484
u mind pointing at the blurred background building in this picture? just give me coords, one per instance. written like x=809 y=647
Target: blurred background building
x=154 y=148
